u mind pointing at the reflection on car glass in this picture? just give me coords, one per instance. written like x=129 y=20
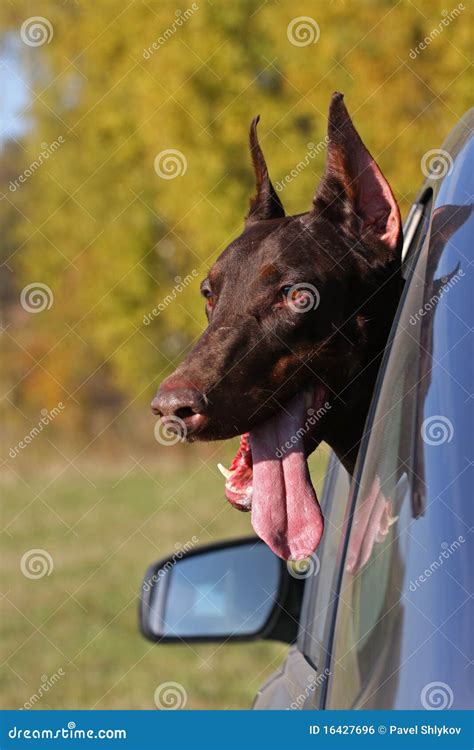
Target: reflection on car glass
x=372 y=521
x=446 y=222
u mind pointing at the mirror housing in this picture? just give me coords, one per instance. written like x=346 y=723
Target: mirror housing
x=237 y=590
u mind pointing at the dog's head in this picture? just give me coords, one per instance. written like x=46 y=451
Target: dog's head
x=287 y=301
x=296 y=304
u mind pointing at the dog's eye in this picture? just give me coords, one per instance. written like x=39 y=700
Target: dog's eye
x=292 y=292
x=208 y=296
x=300 y=297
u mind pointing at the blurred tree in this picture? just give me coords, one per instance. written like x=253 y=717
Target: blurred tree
x=101 y=223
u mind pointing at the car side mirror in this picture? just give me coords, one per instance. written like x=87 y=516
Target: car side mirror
x=236 y=590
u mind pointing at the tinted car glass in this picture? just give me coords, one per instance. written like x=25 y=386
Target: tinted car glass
x=404 y=620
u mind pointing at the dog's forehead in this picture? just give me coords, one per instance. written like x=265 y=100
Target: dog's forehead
x=263 y=248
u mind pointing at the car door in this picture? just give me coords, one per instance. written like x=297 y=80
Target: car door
x=402 y=636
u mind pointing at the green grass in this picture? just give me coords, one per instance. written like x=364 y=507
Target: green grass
x=102 y=533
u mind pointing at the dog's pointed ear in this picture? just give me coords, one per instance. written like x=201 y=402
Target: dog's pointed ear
x=354 y=191
x=266 y=203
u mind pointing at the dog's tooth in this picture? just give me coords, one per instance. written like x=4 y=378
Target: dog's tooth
x=225 y=472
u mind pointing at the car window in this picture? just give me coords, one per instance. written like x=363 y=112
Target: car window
x=402 y=628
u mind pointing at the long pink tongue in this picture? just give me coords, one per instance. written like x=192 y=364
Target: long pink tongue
x=285 y=510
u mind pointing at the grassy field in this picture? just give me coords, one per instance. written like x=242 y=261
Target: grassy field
x=77 y=626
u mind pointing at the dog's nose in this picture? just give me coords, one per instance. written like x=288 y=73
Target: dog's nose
x=176 y=402
x=186 y=404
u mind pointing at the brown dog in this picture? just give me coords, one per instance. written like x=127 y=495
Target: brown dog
x=299 y=310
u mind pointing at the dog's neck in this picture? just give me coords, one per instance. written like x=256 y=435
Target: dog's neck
x=343 y=426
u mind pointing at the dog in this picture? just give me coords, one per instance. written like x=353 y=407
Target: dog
x=299 y=309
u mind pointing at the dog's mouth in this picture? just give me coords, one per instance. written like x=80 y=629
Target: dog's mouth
x=269 y=476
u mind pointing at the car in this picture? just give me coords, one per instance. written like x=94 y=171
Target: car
x=381 y=617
